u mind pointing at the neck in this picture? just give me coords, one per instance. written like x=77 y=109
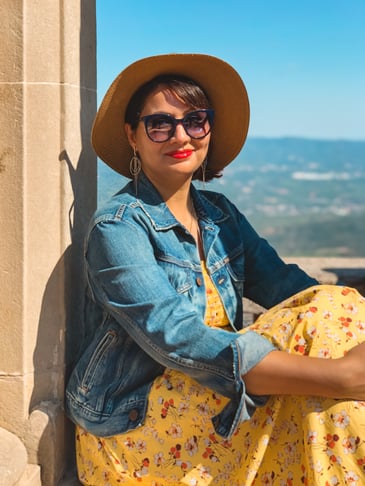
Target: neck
x=170 y=188
x=182 y=207
x=176 y=196
x=178 y=200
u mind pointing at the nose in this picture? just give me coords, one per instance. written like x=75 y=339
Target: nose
x=180 y=133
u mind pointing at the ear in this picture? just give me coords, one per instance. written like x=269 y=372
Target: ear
x=130 y=135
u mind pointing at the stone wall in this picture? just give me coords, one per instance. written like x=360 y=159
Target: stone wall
x=48 y=191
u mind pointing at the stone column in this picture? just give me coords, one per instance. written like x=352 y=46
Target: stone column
x=48 y=191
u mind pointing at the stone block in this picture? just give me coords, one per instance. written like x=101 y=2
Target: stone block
x=31 y=476
x=13 y=458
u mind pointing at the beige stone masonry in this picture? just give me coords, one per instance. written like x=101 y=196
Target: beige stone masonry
x=48 y=191
x=13 y=458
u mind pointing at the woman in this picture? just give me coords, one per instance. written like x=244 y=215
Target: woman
x=169 y=388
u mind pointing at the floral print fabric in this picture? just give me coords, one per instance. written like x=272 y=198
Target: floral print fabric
x=292 y=440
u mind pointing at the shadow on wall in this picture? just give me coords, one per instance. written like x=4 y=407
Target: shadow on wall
x=61 y=326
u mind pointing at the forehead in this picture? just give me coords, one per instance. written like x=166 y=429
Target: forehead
x=164 y=96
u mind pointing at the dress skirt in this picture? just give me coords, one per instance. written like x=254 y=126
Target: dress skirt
x=291 y=441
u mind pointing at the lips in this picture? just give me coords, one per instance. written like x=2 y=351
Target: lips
x=180 y=154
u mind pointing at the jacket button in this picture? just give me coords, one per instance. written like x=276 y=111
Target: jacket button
x=133 y=415
x=199 y=282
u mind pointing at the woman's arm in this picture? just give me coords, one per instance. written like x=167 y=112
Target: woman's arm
x=281 y=373
x=129 y=284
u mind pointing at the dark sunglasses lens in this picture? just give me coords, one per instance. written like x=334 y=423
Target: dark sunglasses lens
x=197 y=124
x=159 y=127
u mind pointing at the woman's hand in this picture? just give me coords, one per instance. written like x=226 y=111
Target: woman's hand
x=281 y=373
x=353 y=373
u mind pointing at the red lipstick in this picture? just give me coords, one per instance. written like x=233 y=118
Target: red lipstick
x=180 y=154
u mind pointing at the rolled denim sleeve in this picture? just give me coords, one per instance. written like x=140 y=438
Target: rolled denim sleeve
x=248 y=350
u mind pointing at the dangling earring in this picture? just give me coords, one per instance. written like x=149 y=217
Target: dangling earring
x=135 y=168
x=203 y=167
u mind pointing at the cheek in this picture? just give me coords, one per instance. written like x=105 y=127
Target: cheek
x=147 y=150
x=139 y=135
x=205 y=146
x=142 y=142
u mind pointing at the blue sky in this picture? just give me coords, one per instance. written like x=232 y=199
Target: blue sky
x=303 y=63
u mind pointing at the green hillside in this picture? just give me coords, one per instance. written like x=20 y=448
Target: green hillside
x=322 y=236
x=307 y=197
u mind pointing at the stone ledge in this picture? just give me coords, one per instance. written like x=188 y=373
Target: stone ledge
x=31 y=476
x=330 y=271
x=13 y=458
x=344 y=271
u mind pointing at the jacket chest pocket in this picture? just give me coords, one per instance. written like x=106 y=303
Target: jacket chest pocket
x=179 y=275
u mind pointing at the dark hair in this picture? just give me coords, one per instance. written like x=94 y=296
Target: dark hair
x=184 y=88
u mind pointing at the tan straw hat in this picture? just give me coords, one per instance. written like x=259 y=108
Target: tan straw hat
x=221 y=83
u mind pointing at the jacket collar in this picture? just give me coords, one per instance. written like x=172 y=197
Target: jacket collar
x=149 y=199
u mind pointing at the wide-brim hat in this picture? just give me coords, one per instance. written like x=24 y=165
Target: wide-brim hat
x=221 y=83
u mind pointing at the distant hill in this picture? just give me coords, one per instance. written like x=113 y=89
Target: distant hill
x=307 y=197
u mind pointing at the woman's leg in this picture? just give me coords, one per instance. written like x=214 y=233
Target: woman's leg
x=310 y=440
x=291 y=441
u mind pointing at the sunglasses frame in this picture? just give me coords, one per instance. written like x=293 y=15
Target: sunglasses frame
x=175 y=122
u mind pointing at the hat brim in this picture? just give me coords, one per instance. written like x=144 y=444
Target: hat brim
x=222 y=84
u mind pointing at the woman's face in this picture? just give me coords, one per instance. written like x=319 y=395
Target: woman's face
x=177 y=158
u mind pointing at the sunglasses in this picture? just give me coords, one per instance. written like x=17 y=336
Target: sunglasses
x=161 y=127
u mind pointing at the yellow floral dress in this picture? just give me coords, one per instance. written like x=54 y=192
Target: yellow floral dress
x=293 y=440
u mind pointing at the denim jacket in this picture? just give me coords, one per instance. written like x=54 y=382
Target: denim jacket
x=146 y=304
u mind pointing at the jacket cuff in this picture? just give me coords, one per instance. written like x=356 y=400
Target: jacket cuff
x=249 y=349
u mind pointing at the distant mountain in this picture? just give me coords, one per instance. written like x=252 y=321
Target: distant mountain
x=307 y=197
